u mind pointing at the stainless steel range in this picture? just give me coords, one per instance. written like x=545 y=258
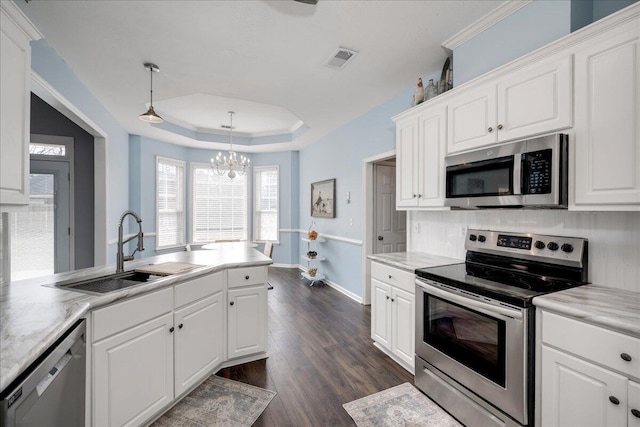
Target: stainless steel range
x=475 y=322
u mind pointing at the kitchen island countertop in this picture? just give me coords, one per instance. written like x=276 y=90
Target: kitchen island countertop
x=611 y=308
x=33 y=315
x=410 y=261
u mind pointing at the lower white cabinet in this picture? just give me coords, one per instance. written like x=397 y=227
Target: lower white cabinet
x=151 y=349
x=393 y=313
x=247 y=316
x=199 y=340
x=133 y=373
x=587 y=375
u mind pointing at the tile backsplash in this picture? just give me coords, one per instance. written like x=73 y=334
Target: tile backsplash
x=614 y=237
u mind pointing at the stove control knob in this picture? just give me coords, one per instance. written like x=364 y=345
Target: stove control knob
x=473 y=237
x=553 y=246
x=482 y=239
x=540 y=245
x=566 y=248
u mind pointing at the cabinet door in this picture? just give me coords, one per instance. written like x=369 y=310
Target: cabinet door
x=381 y=313
x=247 y=314
x=576 y=393
x=403 y=321
x=432 y=132
x=199 y=340
x=407 y=163
x=535 y=100
x=472 y=120
x=15 y=102
x=133 y=374
x=607 y=131
x=633 y=413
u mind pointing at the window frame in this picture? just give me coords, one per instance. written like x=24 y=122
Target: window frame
x=192 y=168
x=256 y=170
x=183 y=164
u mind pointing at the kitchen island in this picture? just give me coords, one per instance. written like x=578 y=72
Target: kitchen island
x=33 y=314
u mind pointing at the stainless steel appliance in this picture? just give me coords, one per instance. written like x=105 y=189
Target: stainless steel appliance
x=529 y=173
x=475 y=322
x=51 y=392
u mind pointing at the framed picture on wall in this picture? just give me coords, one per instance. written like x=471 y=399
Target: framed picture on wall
x=323 y=196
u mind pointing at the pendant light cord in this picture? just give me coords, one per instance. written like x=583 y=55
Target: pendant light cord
x=151 y=88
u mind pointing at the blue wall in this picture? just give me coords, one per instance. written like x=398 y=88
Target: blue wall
x=339 y=155
x=533 y=26
x=52 y=68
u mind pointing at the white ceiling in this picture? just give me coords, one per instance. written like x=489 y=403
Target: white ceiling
x=262 y=59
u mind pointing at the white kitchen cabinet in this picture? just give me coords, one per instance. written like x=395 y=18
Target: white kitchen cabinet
x=586 y=375
x=420 y=146
x=199 y=340
x=247 y=312
x=393 y=313
x=607 y=128
x=133 y=373
x=576 y=393
x=15 y=102
x=247 y=317
x=533 y=100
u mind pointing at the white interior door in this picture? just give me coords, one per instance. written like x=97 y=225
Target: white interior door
x=40 y=236
x=390 y=225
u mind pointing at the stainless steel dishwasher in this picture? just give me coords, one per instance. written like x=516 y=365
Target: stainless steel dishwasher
x=51 y=392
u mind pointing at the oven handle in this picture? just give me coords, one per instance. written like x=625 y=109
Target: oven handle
x=489 y=309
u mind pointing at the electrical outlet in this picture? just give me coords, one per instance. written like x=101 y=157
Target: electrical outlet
x=351 y=222
x=463 y=232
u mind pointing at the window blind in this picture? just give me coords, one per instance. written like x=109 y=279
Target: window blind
x=170 y=200
x=219 y=206
x=266 y=203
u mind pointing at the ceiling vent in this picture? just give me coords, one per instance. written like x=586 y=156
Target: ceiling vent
x=340 y=58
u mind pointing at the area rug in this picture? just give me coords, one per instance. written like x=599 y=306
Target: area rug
x=402 y=405
x=218 y=402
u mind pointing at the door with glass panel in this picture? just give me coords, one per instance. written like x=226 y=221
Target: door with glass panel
x=40 y=236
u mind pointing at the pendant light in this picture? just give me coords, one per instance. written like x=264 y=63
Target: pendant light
x=230 y=166
x=151 y=116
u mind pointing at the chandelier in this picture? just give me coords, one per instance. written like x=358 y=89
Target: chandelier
x=230 y=166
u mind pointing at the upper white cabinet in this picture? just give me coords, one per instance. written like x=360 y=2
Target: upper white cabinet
x=607 y=130
x=15 y=95
x=533 y=100
x=472 y=119
x=420 y=146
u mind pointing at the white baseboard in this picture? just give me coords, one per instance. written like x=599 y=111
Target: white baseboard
x=338 y=288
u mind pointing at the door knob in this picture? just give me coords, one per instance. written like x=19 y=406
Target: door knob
x=380 y=238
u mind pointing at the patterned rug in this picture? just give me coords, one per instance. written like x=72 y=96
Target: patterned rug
x=402 y=405
x=218 y=402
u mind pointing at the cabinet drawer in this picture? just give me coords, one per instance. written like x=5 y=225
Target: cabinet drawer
x=591 y=342
x=124 y=315
x=196 y=289
x=239 y=277
x=393 y=276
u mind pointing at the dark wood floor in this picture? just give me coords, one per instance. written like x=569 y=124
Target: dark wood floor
x=320 y=355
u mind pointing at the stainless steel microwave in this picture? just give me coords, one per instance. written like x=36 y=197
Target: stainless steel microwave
x=530 y=173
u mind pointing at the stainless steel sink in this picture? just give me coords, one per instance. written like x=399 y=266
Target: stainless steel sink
x=110 y=283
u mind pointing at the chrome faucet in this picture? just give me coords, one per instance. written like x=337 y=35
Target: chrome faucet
x=121 y=256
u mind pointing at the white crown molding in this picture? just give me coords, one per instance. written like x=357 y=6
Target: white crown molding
x=13 y=11
x=488 y=20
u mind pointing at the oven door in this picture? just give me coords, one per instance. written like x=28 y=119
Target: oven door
x=480 y=343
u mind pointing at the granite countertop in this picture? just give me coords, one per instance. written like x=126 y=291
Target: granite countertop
x=410 y=261
x=33 y=315
x=615 y=309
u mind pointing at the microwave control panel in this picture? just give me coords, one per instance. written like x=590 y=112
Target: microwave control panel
x=536 y=168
